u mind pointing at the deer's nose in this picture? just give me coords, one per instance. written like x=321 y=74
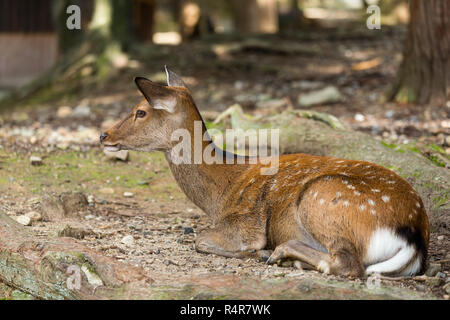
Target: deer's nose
x=103 y=136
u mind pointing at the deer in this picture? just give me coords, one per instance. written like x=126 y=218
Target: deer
x=338 y=216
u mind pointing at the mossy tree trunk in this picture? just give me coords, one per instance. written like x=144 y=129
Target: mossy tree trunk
x=424 y=75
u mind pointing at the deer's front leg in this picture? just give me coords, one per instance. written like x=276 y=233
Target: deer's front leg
x=235 y=236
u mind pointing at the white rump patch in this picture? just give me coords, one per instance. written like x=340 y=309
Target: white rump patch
x=388 y=253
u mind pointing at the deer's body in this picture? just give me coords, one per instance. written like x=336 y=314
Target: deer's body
x=340 y=216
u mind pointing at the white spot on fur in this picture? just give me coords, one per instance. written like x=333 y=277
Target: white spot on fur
x=371 y=202
x=385 y=198
x=417 y=204
x=372 y=211
x=322 y=201
x=346 y=203
x=338 y=194
x=340 y=161
x=387 y=253
x=362 y=207
x=357 y=193
x=315 y=195
x=375 y=190
x=323 y=266
x=252 y=180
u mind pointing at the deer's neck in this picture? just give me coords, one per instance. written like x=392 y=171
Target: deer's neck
x=205 y=184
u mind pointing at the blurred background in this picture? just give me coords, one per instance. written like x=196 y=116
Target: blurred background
x=381 y=67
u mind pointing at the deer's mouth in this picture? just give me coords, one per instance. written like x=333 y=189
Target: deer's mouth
x=112 y=147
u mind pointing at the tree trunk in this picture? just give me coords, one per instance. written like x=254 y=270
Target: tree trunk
x=42 y=268
x=256 y=16
x=424 y=75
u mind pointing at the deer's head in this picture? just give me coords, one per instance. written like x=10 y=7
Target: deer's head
x=150 y=125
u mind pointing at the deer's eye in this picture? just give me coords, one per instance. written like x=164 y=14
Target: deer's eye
x=140 y=114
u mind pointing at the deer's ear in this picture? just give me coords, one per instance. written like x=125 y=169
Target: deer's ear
x=173 y=79
x=158 y=96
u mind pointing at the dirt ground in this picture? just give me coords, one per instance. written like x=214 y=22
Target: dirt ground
x=140 y=198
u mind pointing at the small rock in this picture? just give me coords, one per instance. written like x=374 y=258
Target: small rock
x=440 y=275
x=447 y=140
x=447 y=288
x=147 y=233
x=433 y=269
x=92 y=278
x=298 y=265
x=326 y=95
x=106 y=190
x=434 y=282
x=188 y=230
x=76 y=233
x=73 y=202
x=81 y=111
x=64 y=112
x=128 y=194
x=34 y=216
x=90 y=199
x=440 y=238
x=118 y=155
x=128 y=240
x=359 y=117
x=389 y=113
x=35 y=161
x=24 y=220
x=421 y=287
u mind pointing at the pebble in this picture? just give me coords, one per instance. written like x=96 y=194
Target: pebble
x=119 y=155
x=433 y=269
x=34 y=216
x=433 y=281
x=24 y=220
x=128 y=240
x=188 y=230
x=447 y=288
x=106 y=190
x=359 y=117
x=64 y=112
x=440 y=238
x=128 y=194
x=35 y=161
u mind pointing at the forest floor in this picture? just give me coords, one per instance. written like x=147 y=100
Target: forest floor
x=140 y=198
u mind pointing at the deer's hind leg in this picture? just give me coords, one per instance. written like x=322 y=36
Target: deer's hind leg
x=235 y=236
x=341 y=260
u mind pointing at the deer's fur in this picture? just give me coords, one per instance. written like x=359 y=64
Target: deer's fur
x=339 y=216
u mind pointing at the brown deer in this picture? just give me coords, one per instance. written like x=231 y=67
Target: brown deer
x=338 y=216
